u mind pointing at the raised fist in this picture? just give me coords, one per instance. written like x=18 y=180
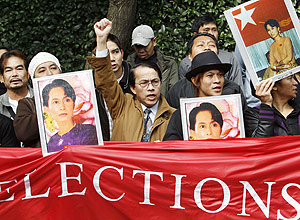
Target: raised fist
x=102 y=28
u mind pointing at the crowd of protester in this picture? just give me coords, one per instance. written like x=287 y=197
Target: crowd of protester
x=139 y=98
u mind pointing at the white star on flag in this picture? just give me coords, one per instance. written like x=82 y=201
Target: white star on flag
x=245 y=17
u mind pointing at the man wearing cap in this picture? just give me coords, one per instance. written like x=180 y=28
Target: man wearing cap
x=144 y=44
x=184 y=88
x=143 y=116
x=207 y=78
x=13 y=67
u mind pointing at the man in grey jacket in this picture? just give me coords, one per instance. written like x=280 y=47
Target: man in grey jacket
x=13 y=68
x=207 y=23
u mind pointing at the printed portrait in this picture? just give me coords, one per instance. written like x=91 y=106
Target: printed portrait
x=267 y=36
x=67 y=111
x=215 y=117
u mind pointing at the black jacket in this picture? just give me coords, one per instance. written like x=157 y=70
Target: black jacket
x=266 y=121
x=7 y=134
x=124 y=82
x=184 y=89
x=174 y=130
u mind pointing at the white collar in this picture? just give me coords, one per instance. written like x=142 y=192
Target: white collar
x=153 y=110
x=119 y=79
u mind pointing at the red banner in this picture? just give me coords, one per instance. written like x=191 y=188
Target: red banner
x=257 y=178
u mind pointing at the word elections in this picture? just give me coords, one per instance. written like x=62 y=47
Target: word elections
x=265 y=208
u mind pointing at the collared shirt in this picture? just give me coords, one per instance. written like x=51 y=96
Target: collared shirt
x=153 y=110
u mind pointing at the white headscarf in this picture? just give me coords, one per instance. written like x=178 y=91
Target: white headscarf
x=40 y=58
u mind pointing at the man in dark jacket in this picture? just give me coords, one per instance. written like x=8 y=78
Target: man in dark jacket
x=184 y=88
x=144 y=44
x=206 y=79
x=121 y=68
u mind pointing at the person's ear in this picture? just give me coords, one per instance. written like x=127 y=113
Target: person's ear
x=154 y=41
x=195 y=80
x=122 y=52
x=190 y=57
x=133 y=89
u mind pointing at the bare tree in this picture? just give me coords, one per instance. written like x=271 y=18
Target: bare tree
x=122 y=14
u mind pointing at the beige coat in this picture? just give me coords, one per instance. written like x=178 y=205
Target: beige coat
x=126 y=111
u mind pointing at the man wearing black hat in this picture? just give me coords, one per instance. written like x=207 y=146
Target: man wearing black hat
x=207 y=77
x=185 y=88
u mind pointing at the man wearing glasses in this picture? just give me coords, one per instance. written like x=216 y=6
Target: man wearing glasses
x=143 y=116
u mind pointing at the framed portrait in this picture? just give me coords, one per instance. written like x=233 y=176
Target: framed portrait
x=67 y=111
x=267 y=35
x=214 y=117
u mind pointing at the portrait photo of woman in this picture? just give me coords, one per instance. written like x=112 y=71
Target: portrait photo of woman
x=267 y=38
x=212 y=117
x=281 y=54
x=205 y=122
x=58 y=99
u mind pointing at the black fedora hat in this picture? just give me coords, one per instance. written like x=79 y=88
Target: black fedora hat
x=206 y=61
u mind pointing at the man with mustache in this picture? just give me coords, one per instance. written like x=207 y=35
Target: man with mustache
x=13 y=68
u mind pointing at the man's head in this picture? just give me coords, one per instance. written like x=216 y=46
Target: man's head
x=207 y=74
x=206 y=23
x=44 y=64
x=13 y=68
x=205 y=122
x=202 y=42
x=285 y=89
x=145 y=83
x=116 y=53
x=3 y=50
x=143 y=41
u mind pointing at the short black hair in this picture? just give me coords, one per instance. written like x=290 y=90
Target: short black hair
x=13 y=53
x=202 y=20
x=114 y=39
x=110 y=37
x=272 y=23
x=191 y=41
x=69 y=91
x=205 y=106
x=148 y=64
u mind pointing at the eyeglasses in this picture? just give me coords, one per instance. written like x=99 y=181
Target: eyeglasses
x=145 y=83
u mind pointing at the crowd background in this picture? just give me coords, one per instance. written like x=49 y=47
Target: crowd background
x=64 y=28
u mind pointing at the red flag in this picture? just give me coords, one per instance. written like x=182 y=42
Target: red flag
x=251 y=18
